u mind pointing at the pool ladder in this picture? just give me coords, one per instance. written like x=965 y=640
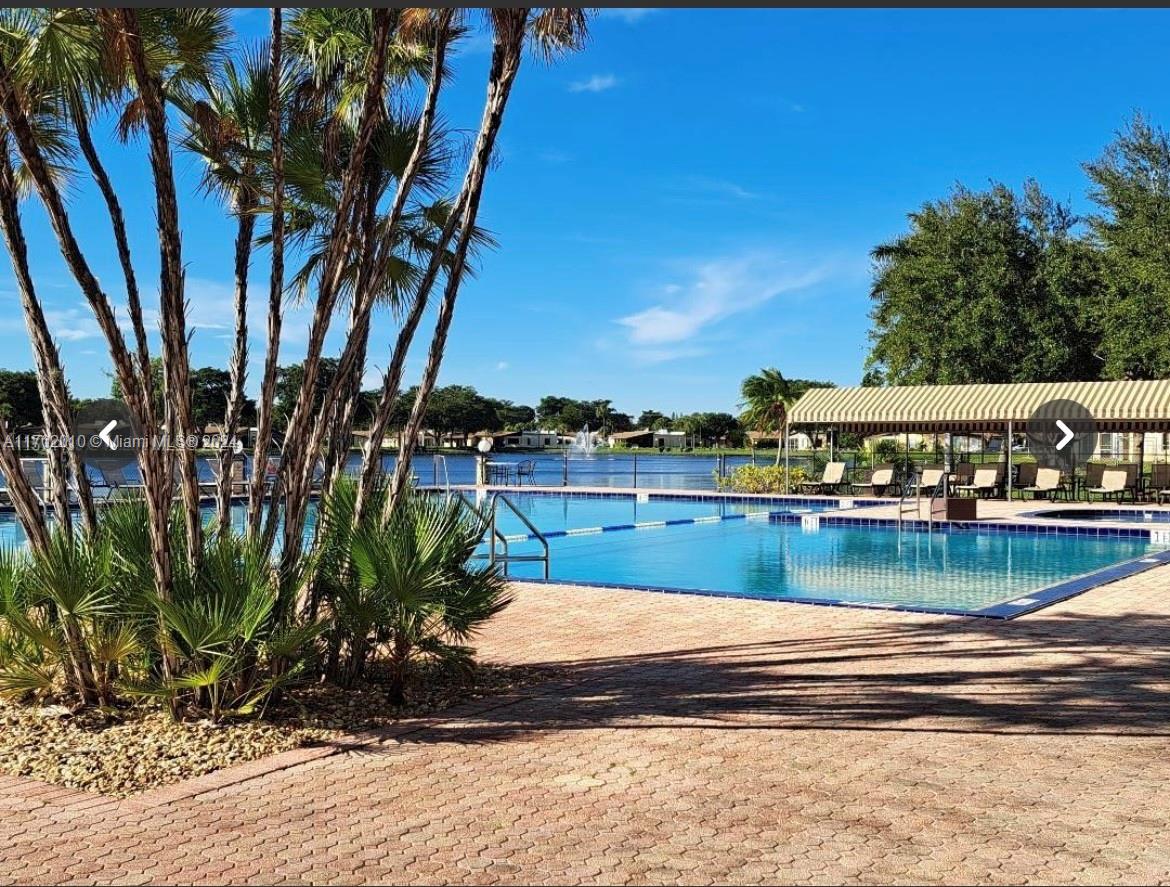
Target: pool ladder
x=915 y=480
x=498 y=551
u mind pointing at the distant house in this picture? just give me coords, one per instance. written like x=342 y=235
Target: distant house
x=797 y=440
x=663 y=438
x=524 y=440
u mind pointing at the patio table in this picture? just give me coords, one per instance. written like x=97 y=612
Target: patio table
x=500 y=472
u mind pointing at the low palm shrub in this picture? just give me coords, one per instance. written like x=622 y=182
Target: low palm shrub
x=403 y=588
x=83 y=620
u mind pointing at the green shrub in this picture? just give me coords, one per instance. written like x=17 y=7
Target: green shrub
x=83 y=621
x=403 y=589
x=762 y=479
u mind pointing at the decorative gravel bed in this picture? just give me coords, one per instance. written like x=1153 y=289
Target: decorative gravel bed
x=130 y=750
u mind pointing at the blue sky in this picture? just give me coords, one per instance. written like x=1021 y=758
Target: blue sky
x=691 y=198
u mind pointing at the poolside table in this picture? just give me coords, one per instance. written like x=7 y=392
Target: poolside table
x=500 y=472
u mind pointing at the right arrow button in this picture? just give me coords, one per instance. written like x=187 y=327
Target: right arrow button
x=1068 y=435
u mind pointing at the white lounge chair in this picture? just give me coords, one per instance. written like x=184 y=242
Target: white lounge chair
x=881 y=479
x=1048 y=484
x=1114 y=482
x=832 y=478
x=985 y=482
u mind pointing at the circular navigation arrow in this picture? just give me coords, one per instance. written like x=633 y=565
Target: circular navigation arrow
x=1062 y=434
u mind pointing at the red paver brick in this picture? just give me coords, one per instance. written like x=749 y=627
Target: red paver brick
x=699 y=740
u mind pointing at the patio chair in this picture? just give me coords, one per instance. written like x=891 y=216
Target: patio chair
x=963 y=473
x=931 y=475
x=1026 y=475
x=1160 y=482
x=117 y=484
x=984 y=484
x=1114 y=482
x=526 y=469
x=882 y=478
x=1133 y=478
x=832 y=478
x=1093 y=472
x=38 y=478
x=1047 y=483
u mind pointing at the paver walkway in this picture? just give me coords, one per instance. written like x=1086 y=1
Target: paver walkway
x=704 y=740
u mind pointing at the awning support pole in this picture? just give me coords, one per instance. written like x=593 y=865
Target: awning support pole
x=787 y=474
x=1008 y=450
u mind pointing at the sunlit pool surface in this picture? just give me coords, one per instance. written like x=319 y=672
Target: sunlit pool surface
x=554 y=513
x=1120 y=515
x=979 y=572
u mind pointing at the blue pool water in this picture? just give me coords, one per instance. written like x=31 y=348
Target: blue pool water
x=959 y=571
x=554 y=513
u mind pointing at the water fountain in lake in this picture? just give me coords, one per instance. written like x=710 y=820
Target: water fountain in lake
x=583 y=444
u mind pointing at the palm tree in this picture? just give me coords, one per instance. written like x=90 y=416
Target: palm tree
x=228 y=128
x=297 y=463
x=554 y=30
x=267 y=399
x=767 y=395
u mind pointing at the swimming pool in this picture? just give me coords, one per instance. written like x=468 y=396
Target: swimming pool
x=987 y=570
x=1121 y=515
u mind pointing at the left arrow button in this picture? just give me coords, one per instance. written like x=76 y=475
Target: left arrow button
x=104 y=434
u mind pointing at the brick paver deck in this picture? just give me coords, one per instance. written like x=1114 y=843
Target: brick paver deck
x=702 y=740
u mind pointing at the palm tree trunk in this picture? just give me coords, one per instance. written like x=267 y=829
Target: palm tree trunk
x=356 y=348
x=266 y=402
x=155 y=478
x=506 y=56
x=296 y=468
x=121 y=240
x=24 y=499
x=176 y=365
x=239 y=363
x=57 y=415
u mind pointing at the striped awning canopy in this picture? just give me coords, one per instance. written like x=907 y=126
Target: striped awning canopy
x=1117 y=406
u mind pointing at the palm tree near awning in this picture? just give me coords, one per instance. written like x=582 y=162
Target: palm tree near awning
x=767 y=395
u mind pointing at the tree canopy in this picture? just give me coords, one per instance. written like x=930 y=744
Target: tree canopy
x=999 y=286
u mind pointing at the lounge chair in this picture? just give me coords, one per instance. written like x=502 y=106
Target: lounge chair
x=1026 y=475
x=930 y=477
x=832 y=478
x=117 y=484
x=1047 y=484
x=985 y=483
x=34 y=471
x=1114 y=482
x=881 y=479
x=964 y=473
x=1160 y=482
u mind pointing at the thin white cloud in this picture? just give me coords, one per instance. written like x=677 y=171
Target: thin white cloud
x=719 y=188
x=596 y=83
x=72 y=324
x=631 y=15
x=715 y=291
x=502 y=365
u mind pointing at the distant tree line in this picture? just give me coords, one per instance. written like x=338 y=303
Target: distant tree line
x=995 y=286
